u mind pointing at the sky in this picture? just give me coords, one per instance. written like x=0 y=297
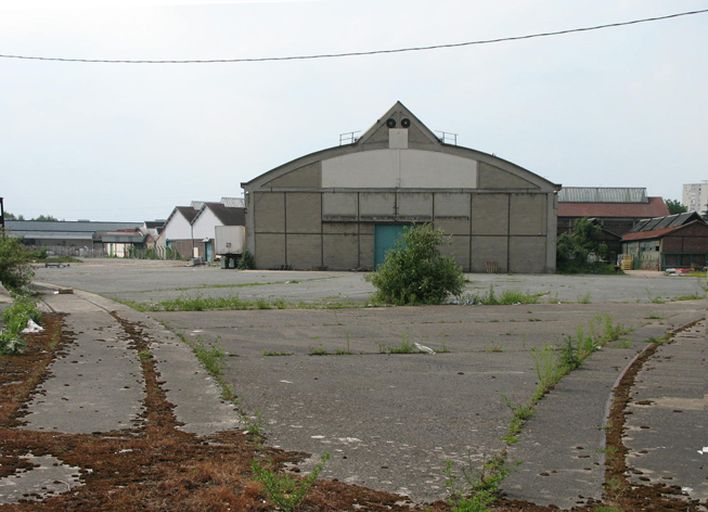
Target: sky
x=128 y=142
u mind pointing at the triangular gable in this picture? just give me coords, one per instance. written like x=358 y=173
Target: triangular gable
x=397 y=113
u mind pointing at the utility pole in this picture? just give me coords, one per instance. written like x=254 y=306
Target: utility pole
x=2 y=218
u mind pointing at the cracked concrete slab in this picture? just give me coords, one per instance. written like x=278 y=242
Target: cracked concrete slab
x=96 y=384
x=667 y=420
x=48 y=477
x=198 y=405
x=391 y=422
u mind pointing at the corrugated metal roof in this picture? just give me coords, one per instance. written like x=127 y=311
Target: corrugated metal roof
x=667 y=221
x=660 y=232
x=655 y=207
x=65 y=226
x=602 y=195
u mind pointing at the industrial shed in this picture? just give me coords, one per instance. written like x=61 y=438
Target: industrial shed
x=673 y=241
x=341 y=208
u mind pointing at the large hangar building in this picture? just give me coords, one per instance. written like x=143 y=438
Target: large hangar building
x=343 y=207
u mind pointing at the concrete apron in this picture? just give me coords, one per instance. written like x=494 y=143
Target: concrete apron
x=560 y=453
x=666 y=430
x=97 y=386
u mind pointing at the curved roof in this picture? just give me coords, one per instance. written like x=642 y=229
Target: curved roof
x=422 y=138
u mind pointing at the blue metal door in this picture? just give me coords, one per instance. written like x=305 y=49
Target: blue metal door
x=208 y=251
x=385 y=238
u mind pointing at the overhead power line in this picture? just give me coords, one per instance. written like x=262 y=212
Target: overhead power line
x=359 y=53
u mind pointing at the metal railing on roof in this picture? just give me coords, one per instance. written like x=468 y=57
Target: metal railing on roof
x=446 y=137
x=348 y=137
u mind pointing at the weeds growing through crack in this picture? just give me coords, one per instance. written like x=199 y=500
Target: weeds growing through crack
x=521 y=414
x=275 y=353
x=254 y=425
x=586 y=298
x=285 y=491
x=404 y=347
x=506 y=298
x=470 y=490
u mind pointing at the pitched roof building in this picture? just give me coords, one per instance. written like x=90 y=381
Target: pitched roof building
x=617 y=209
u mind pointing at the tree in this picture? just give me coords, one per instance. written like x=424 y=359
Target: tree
x=574 y=248
x=46 y=218
x=12 y=216
x=15 y=269
x=414 y=271
x=675 y=206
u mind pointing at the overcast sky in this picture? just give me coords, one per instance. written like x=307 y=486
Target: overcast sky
x=617 y=107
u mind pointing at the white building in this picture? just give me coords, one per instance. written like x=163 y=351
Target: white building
x=695 y=196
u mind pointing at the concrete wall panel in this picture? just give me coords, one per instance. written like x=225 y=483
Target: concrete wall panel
x=304 y=213
x=459 y=248
x=269 y=211
x=339 y=228
x=491 y=249
x=403 y=168
x=450 y=204
x=494 y=178
x=270 y=250
x=528 y=214
x=340 y=252
x=527 y=254
x=339 y=205
x=490 y=214
x=308 y=176
x=413 y=204
x=366 y=251
x=377 y=204
x=453 y=226
x=304 y=251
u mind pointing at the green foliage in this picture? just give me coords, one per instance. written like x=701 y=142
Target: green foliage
x=275 y=353
x=507 y=298
x=674 y=206
x=284 y=491
x=15 y=269
x=521 y=414
x=212 y=357
x=472 y=490
x=404 y=347
x=575 y=247
x=415 y=272
x=46 y=218
x=246 y=261
x=15 y=319
x=549 y=370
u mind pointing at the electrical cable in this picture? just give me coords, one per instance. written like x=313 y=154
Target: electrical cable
x=356 y=53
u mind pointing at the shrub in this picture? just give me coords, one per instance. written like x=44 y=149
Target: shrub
x=285 y=491
x=246 y=261
x=15 y=269
x=414 y=271
x=15 y=319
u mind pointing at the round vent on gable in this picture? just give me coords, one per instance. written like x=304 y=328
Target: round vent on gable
x=391 y=122
x=405 y=122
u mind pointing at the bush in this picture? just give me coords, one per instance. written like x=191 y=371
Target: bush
x=415 y=272
x=15 y=269
x=246 y=261
x=15 y=319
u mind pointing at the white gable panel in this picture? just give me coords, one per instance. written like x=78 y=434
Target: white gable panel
x=178 y=228
x=204 y=225
x=394 y=168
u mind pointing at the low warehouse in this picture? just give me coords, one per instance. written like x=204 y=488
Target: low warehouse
x=673 y=241
x=343 y=207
